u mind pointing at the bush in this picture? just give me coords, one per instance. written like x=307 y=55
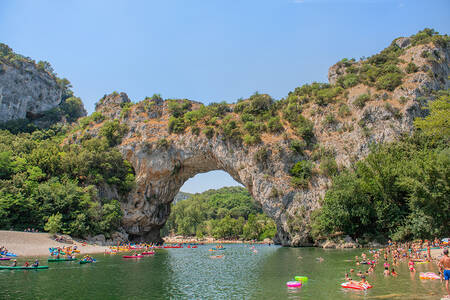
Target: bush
x=411 y=68
x=361 y=100
x=330 y=119
x=344 y=111
x=348 y=81
x=301 y=172
x=163 y=143
x=113 y=131
x=176 y=125
x=298 y=146
x=328 y=166
x=261 y=155
x=179 y=107
x=54 y=223
x=252 y=139
x=209 y=132
x=389 y=81
x=275 y=125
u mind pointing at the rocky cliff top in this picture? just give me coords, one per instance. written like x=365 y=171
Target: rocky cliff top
x=284 y=152
x=28 y=89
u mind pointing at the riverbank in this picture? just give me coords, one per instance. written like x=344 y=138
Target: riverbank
x=209 y=240
x=37 y=244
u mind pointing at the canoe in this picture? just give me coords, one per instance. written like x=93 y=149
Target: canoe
x=355 y=286
x=5 y=258
x=60 y=259
x=133 y=256
x=23 y=268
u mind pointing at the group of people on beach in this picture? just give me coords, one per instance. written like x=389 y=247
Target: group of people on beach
x=394 y=253
x=30 y=230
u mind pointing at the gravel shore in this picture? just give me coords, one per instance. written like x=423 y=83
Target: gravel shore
x=37 y=244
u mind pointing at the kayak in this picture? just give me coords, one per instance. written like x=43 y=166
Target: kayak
x=355 y=286
x=60 y=259
x=133 y=256
x=8 y=254
x=5 y=258
x=148 y=253
x=23 y=268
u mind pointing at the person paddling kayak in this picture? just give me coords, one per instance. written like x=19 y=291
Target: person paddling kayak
x=14 y=264
x=36 y=264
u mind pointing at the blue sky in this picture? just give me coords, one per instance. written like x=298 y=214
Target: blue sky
x=206 y=50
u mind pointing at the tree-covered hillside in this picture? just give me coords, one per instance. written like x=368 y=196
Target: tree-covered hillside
x=46 y=184
x=229 y=212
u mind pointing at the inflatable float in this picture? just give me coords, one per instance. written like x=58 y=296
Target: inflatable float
x=5 y=258
x=82 y=262
x=301 y=278
x=293 y=284
x=429 y=275
x=355 y=285
x=133 y=256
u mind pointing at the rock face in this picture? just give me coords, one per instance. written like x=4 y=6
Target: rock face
x=164 y=161
x=26 y=91
x=111 y=105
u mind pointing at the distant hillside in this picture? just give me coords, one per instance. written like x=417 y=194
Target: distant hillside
x=229 y=212
x=181 y=196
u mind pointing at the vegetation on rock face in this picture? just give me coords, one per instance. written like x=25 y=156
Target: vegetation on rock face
x=227 y=213
x=400 y=191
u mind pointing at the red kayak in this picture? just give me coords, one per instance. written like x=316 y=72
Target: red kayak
x=355 y=285
x=132 y=256
x=172 y=247
x=148 y=253
x=194 y=247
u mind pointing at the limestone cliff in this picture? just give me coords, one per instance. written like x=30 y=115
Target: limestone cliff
x=167 y=147
x=27 y=89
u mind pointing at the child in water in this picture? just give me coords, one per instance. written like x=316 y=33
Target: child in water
x=386 y=271
x=393 y=272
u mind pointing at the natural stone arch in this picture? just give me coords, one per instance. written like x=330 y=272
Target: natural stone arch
x=162 y=170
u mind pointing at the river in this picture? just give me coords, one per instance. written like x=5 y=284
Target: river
x=192 y=274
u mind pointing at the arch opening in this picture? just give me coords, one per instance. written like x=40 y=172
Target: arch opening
x=214 y=205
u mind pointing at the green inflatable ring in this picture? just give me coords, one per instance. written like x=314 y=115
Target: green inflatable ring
x=301 y=278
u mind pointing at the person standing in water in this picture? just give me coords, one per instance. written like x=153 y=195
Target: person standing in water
x=444 y=263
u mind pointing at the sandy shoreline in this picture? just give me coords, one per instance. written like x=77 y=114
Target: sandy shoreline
x=26 y=244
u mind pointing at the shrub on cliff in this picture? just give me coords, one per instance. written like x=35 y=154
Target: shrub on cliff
x=113 y=131
x=361 y=100
x=301 y=172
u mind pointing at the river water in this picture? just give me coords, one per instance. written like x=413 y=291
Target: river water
x=192 y=274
